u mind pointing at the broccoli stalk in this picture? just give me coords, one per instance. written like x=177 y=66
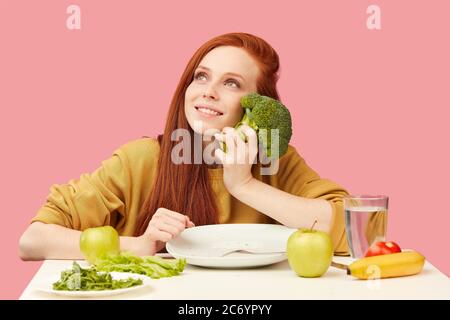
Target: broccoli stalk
x=270 y=119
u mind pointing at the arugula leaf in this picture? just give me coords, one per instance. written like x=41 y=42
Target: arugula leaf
x=151 y=266
x=79 y=279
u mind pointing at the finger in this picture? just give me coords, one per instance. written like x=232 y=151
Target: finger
x=230 y=140
x=220 y=155
x=219 y=137
x=174 y=222
x=252 y=141
x=242 y=129
x=222 y=146
x=220 y=140
x=165 y=227
x=163 y=236
x=190 y=224
x=241 y=149
x=173 y=214
x=249 y=132
x=157 y=235
x=227 y=130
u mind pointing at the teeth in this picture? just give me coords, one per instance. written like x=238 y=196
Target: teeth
x=208 y=111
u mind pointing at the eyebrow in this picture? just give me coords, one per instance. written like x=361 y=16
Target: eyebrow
x=228 y=73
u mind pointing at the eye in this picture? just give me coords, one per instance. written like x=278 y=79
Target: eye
x=236 y=83
x=199 y=75
x=202 y=77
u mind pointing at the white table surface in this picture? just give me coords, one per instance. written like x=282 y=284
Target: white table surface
x=272 y=282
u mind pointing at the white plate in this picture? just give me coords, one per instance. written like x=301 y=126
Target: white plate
x=47 y=286
x=199 y=245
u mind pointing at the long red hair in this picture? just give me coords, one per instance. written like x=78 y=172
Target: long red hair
x=185 y=188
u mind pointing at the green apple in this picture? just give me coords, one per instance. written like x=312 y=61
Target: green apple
x=309 y=252
x=97 y=243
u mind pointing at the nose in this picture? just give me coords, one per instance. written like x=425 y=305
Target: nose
x=210 y=92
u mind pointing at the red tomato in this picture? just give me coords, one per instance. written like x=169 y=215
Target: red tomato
x=379 y=248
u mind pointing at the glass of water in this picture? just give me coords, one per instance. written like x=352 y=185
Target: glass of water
x=365 y=221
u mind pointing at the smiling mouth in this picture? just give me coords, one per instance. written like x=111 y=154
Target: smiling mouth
x=208 y=111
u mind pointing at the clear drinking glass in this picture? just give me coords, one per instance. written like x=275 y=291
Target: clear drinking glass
x=365 y=221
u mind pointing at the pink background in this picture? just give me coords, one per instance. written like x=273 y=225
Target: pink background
x=370 y=108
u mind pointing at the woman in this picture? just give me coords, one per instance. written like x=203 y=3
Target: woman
x=150 y=199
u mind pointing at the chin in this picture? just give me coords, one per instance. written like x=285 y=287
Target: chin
x=200 y=126
x=206 y=128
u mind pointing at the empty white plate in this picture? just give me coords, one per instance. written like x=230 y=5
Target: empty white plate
x=205 y=245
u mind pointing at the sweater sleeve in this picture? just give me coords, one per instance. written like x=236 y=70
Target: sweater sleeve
x=95 y=199
x=296 y=177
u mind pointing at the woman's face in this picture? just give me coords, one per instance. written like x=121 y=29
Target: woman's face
x=223 y=76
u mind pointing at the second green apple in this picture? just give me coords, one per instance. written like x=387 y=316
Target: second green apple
x=309 y=252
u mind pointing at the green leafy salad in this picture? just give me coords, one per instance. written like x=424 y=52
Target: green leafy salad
x=98 y=277
x=79 y=279
x=151 y=266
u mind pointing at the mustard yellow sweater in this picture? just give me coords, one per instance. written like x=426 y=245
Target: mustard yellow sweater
x=114 y=193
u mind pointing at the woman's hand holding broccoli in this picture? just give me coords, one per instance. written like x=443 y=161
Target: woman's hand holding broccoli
x=238 y=159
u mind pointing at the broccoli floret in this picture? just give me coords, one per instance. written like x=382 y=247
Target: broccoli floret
x=264 y=114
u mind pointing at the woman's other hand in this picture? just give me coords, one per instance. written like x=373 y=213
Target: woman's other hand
x=164 y=226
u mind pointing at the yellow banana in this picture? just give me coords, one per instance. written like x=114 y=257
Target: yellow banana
x=387 y=266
